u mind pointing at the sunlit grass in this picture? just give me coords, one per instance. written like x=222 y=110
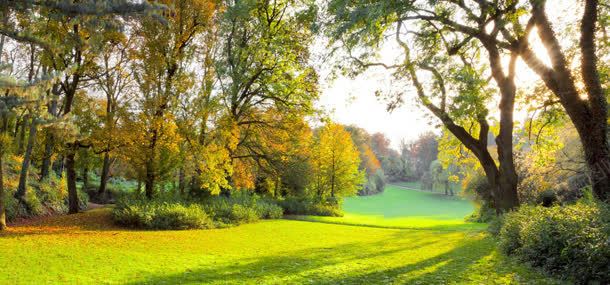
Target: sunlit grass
x=401 y=208
x=88 y=249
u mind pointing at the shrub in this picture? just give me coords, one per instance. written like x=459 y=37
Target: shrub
x=269 y=210
x=571 y=241
x=83 y=199
x=177 y=216
x=171 y=212
x=53 y=194
x=14 y=209
x=303 y=206
x=33 y=204
x=482 y=214
x=241 y=207
x=241 y=214
x=161 y=215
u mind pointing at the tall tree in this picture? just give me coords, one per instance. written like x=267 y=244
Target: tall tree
x=445 y=39
x=589 y=115
x=336 y=160
x=162 y=75
x=263 y=68
x=114 y=80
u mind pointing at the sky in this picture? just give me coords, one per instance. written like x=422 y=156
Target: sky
x=353 y=101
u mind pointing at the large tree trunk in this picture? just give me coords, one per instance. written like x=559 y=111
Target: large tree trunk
x=71 y=175
x=105 y=172
x=23 y=177
x=588 y=116
x=507 y=197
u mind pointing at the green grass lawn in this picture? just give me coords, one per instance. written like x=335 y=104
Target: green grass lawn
x=88 y=249
x=398 y=207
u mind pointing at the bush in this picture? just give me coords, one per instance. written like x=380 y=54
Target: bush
x=303 y=206
x=33 y=204
x=241 y=214
x=241 y=207
x=14 y=209
x=375 y=184
x=161 y=215
x=571 y=241
x=482 y=214
x=83 y=199
x=170 y=212
x=180 y=217
x=53 y=193
x=269 y=210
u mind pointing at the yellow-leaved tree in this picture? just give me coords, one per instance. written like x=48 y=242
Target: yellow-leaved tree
x=335 y=160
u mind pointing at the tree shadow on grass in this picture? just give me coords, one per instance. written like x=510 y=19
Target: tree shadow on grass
x=386 y=261
x=448 y=227
x=95 y=220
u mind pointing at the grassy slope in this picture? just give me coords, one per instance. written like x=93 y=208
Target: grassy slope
x=87 y=249
x=397 y=207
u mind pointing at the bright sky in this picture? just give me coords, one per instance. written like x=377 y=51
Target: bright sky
x=352 y=101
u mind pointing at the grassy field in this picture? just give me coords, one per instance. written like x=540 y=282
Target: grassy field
x=398 y=207
x=88 y=249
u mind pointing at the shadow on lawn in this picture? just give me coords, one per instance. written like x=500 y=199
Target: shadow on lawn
x=354 y=263
x=94 y=220
x=447 y=228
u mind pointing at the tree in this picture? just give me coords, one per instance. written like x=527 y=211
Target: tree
x=115 y=82
x=380 y=145
x=164 y=49
x=335 y=163
x=443 y=175
x=589 y=115
x=422 y=152
x=263 y=69
x=4 y=141
x=446 y=46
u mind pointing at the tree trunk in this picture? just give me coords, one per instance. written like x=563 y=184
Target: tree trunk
x=71 y=175
x=506 y=196
x=105 y=172
x=49 y=140
x=21 y=138
x=446 y=188
x=46 y=160
x=589 y=116
x=149 y=183
x=23 y=177
x=58 y=166
x=2 y=194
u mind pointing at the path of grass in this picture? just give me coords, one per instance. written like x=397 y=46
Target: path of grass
x=88 y=249
x=398 y=207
